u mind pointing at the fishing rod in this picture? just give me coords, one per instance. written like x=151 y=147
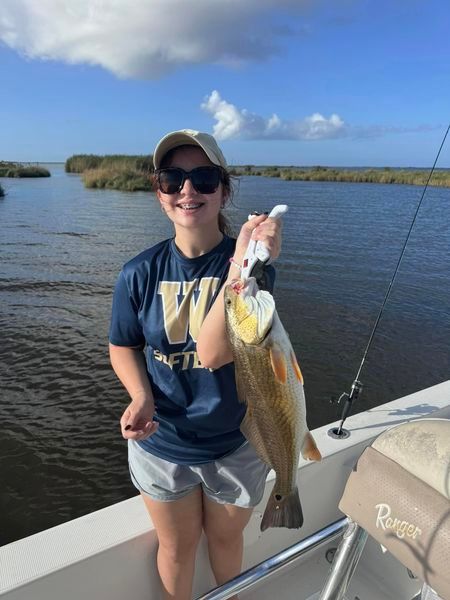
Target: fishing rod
x=356 y=389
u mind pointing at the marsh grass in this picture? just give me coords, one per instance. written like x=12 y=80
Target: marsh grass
x=115 y=178
x=10 y=169
x=79 y=163
x=113 y=172
x=387 y=175
x=133 y=173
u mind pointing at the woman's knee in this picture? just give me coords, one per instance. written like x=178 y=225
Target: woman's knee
x=225 y=539
x=226 y=532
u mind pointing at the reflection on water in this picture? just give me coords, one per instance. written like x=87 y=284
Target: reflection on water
x=61 y=454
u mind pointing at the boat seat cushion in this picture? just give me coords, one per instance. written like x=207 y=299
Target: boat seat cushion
x=399 y=492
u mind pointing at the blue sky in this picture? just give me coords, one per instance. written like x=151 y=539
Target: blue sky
x=350 y=82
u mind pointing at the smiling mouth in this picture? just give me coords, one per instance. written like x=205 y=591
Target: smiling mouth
x=190 y=206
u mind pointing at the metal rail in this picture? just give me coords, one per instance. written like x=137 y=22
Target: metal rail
x=345 y=562
x=266 y=568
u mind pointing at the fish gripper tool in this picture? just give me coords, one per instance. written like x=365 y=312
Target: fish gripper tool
x=257 y=255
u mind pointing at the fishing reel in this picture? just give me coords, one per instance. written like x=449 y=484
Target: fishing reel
x=339 y=432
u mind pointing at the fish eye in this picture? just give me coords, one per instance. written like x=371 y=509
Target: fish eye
x=228 y=302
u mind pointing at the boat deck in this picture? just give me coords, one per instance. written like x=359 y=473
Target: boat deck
x=379 y=576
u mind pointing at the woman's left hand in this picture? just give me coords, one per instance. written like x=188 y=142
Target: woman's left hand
x=262 y=229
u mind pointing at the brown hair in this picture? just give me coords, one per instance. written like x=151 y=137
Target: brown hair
x=227 y=185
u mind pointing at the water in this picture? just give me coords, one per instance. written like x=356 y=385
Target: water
x=61 y=248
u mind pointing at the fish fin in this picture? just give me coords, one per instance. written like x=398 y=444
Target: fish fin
x=278 y=362
x=310 y=451
x=284 y=512
x=296 y=367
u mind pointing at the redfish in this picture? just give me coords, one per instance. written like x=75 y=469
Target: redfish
x=270 y=383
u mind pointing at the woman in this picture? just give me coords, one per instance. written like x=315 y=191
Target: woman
x=169 y=348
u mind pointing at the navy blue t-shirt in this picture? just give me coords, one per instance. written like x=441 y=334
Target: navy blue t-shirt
x=160 y=300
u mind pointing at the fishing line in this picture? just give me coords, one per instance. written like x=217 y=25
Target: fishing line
x=357 y=385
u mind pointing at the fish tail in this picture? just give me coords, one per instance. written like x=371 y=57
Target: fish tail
x=284 y=512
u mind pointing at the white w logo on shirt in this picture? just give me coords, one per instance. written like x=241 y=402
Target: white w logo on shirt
x=189 y=313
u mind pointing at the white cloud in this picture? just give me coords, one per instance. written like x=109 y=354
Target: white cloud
x=145 y=38
x=232 y=122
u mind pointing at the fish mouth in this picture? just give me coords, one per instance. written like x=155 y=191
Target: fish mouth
x=237 y=285
x=245 y=288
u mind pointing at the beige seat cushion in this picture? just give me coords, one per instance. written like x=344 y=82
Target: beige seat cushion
x=421 y=447
x=402 y=498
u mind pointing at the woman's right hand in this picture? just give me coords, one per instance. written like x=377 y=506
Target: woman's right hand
x=137 y=420
x=263 y=229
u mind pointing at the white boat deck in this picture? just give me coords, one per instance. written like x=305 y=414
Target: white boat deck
x=304 y=580
x=110 y=554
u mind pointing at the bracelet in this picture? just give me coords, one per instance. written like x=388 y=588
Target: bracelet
x=234 y=263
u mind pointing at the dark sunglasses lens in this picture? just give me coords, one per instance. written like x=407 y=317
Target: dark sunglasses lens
x=205 y=180
x=170 y=180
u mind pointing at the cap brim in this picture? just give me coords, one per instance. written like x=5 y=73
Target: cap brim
x=180 y=138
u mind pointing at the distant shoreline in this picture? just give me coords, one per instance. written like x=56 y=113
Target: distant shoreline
x=260 y=167
x=12 y=169
x=384 y=175
x=133 y=173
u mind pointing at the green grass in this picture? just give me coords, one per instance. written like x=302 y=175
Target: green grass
x=10 y=169
x=113 y=172
x=387 y=175
x=79 y=163
x=117 y=178
x=132 y=173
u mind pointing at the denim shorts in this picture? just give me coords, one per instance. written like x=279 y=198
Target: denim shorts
x=237 y=478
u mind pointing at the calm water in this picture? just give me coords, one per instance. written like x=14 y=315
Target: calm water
x=61 y=453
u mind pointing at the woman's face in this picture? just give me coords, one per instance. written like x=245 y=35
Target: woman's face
x=188 y=208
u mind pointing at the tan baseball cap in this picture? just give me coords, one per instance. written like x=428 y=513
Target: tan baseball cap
x=193 y=138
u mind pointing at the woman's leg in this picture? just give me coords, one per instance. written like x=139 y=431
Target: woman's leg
x=178 y=525
x=224 y=525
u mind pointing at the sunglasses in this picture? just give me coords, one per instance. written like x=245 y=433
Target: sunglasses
x=205 y=180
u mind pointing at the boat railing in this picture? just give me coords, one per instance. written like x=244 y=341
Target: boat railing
x=268 y=567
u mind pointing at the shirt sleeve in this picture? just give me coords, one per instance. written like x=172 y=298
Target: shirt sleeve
x=125 y=328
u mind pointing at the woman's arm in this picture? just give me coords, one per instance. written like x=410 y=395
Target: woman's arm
x=129 y=365
x=213 y=348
